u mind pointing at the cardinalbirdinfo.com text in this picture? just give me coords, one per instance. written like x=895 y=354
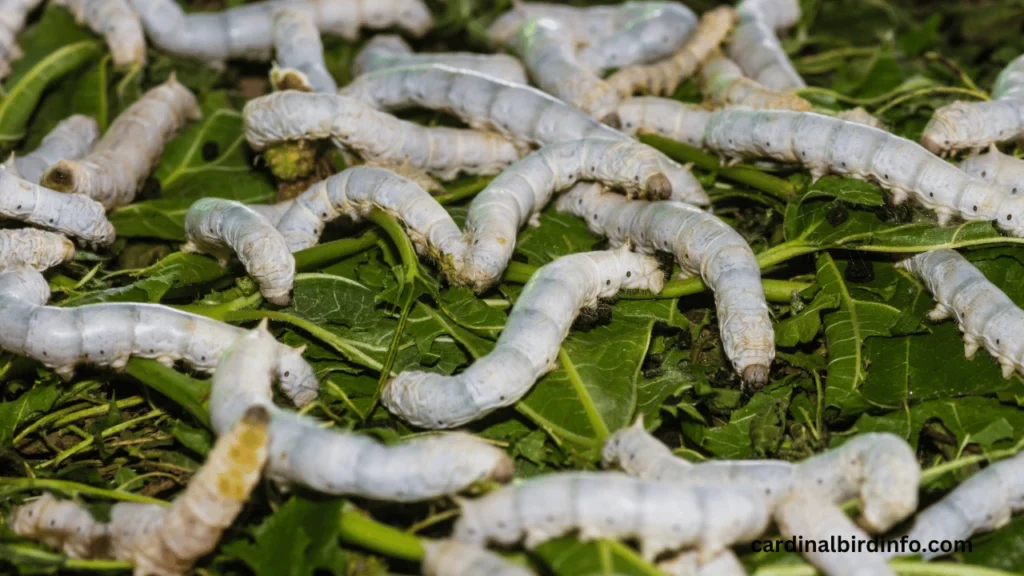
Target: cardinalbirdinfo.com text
x=834 y=543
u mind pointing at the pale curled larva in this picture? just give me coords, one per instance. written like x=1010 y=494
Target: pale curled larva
x=756 y=48
x=73 y=215
x=662 y=78
x=385 y=51
x=702 y=244
x=454 y=558
x=376 y=136
x=122 y=159
x=984 y=502
x=975 y=125
x=996 y=168
x=34 y=248
x=62 y=524
x=342 y=463
x=224 y=227
x=550 y=58
x=528 y=346
x=109 y=334
x=987 y=317
x=813 y=518
x=247 y=31
x=661 y=516
x=117 y=23
x=299 y=54
x=724 y=84
x=71 y=139
x=12 y=19
x=687 y=564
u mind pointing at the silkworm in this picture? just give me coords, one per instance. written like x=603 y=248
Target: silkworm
x=71 y=139
x=661 y=516
x=975 y=125
x=336 y=462
x=686 y=564
x=224 y=227
x=983 y=502
x=551 y=61
x=385 y=51
x=666 y=117
x=122 y=159
x=34 y=248
x=519 y=112
x=117 y=23
x=860 y=116
x=724 y=84
x=702 y=244
x=13 y=14
x=756 y=48
x=529 y=344
x=109 y=334
x=454 y=558
x=811 y=518
x=375 y=136
x=247 y=31
x=998 y=169
x=986 y=316
x=662 y=78
x=70 y=214
x=62 y=524
x=300 y=53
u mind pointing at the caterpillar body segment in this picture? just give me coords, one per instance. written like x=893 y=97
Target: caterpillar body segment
x=117 y=23
x=61 y=524
x=73 y=215
x=454 y=558
x=998 y=169
x=342 y=463
x=122 y=159
x=71 y=139
x=724 y=84
x=661 y=516
x=12 y=19
x=385 y=51
x=756 y=48
x=36 y=249
x=687 y=564
x=225 y=227
x=299 y=54
x=665 y=117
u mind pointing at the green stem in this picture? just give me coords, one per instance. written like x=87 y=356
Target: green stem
x=778 y=291
x=220 y=311
x=519 y=272
x=748 y=175
x=321 y=254
x=88 y=442
x=783 y=252
x=184 y=391
x=463 y=191
x=74 y=489
x=931 y=474
x=362 y=531
x=928 y=92
x=630 y=556
x=29 y=555
x=98 y=411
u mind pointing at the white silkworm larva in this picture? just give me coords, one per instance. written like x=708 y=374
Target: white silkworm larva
x=109 y=334
x=34 y=248
x=984 y=502
x=756 y=48
x=996 y=168
x=975 y=125
x=123 y=158
x=12 y=19
x=70 y=214
x=71 y=139
x=385 y=51
x=662 y=78
x=300 y=54
x=454 y=558
x=520 y=112
x=62 y=524
x=860 y=116
x=247 y=31
x=830 y=145
x=117 y=23
x=702 y=244
x=551 y=61
x=661 y=516
x=985 y=314
x=686 y=564
x=528 y=346
x=342 y=463
x=224 y=227
x=814 y=519
x=374 y=135
x=724 y=84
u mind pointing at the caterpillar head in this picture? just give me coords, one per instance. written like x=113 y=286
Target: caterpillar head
x=470 y=528
x=1010 y=217
x=892 y=473
x=414 y=16
x=296 y=377
x=632 y=445
x=951 y=128
x=639 y=272
x=984 y=166
x=26 y=519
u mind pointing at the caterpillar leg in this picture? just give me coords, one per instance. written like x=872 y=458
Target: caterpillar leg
x=939 y=313
x=971 y=346
x=1008 y=367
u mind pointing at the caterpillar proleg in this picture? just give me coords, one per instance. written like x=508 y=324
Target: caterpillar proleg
x=376 y=136
x=724 y=84
x=247 y=31
x=12 y=19
x=756 y=48
x=109 y=334
x=70 y=214
x=71 y=139
x=998 y=169
x=34 y=248
x=385 y=51
x=336 y=462
x=112 y=173
x=224 y=227
x=975 y=125
x=528 y=346
x=661 y=516
x=686 y=564
x=702 y=244
x=986 y=316
x=454 y=558
x=117 y=23
x=300 y=54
